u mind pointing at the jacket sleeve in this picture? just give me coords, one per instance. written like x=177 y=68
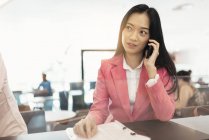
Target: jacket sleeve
x=11 y=121
x=99 y=109
x=163 y=104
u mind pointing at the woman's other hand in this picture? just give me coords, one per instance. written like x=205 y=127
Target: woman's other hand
x=86 y=128
x=150 y=62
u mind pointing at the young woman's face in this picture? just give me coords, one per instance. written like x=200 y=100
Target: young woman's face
x=135 y=35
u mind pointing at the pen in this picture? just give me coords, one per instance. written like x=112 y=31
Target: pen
x=132 y=133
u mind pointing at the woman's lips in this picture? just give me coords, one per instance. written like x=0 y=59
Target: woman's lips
x=131 y=45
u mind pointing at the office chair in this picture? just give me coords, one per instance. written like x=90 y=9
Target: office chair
x=77 y=93
x=92 y=84
x=35 y=121
x=201 y=110
x=184 y=112
x=192 y=111
x=63 y=96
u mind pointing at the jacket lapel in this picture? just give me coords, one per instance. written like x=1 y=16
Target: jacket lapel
x=120 y=82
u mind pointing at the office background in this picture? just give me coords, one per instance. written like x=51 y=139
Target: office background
x=47 y=36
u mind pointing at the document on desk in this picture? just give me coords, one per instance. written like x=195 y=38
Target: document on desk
x=110 y=131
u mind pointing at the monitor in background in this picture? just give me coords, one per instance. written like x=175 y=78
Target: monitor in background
x=91 y=61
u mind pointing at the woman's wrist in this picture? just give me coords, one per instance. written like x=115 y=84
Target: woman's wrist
x=152 y=71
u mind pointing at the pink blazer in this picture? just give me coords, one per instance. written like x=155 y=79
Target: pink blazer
x=11 y=121
x=111 y=95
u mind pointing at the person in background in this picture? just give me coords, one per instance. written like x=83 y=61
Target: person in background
x=11 y=121
x=202 y=83
x=138 y=83
x=44 y=88
x=186 y=90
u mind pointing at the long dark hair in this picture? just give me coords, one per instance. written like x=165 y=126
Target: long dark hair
x=184 y=75
x=155 y=30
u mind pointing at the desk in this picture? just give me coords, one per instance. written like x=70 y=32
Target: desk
x=52 y=117
x=56 y=116
x=200 y=123
x=155 y=129
x=166 y=130
x=55 y=135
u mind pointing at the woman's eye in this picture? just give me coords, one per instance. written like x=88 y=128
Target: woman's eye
x=143 y=33
x=128 y=28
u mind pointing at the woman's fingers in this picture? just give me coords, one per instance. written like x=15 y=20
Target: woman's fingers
x=88 y=129
x=79 y=129
x=85 y=128
x=150 y=62
x=94 y=130
x=155 y=46
x=82 y=129
x=91 y=128
x=155 y=42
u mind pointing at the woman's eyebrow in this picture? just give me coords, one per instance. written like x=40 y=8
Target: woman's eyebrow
x=140 y=27
x=145 y=28
x=131 y=24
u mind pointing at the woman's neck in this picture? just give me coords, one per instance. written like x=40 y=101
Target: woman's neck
x=133 y=60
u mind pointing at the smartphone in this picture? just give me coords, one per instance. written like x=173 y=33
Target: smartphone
x=148 y=51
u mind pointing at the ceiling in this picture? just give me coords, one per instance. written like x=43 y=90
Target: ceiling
x=185 y=22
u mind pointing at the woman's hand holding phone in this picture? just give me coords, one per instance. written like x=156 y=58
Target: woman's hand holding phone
x=86 y=128
x=150 y=61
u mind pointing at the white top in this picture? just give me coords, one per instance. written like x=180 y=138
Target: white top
x=133 y=76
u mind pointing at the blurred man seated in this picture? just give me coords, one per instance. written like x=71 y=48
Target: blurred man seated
x=43 y=94
x=44 y=88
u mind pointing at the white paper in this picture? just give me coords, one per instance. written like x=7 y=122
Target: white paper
x=109 y=131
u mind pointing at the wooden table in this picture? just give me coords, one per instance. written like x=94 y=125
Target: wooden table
x=158 y=130
x=155 y=129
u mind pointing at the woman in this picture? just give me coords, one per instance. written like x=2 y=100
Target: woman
x=132 y=86
x=11 y=121
x=186 y=90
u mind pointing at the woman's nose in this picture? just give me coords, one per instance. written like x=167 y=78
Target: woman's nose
x=134 y=36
